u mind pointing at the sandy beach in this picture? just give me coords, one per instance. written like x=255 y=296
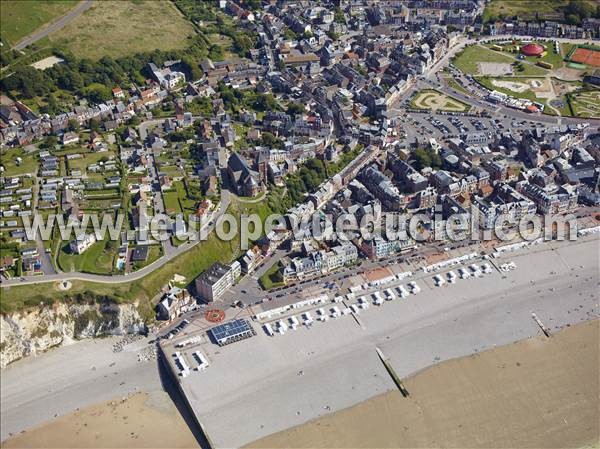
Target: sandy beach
x=541 y=392
x=38 y=389
x=141 y=420
x=264 y=385
x=267 y=384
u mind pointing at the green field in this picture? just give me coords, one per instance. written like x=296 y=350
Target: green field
x=585 y=104
x=556 y=59
x=189 y=265
x=488 y=82
x=171 y=199
x=154 y=252
x=20 y=18
x=499 y=9
x=429 y=99
x=456 y=86
x=89 y=158
x=29 y=162
x=98 y=258
x=272 y=278
x=120 y=28
x=468 y=61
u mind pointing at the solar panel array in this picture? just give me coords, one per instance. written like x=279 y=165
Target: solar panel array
x=230 y=329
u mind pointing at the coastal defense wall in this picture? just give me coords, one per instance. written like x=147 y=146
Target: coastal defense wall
x=168 y=374
x=37 y=329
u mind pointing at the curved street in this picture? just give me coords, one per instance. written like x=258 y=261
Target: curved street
x=109 y=279
x=427 y=80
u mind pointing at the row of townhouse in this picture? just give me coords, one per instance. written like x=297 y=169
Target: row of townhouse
x=320 y=262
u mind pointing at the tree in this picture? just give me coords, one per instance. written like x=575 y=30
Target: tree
x=94 y=124
x=134 y=121
x=73 y=125
x=295 y=109
x=50 y=141
x=427 y=158
x=289 y=34
x=191 y=68
x=215 y=52
x=265 y=102
x=269 y=140
x=573 y=19
x=436 y=160
x=333 y=35
x=242 y=43
x=578 y=10
x=339 y=16
x=252 y=5
x=51 y=107
x=97 y=93
x=423 y=159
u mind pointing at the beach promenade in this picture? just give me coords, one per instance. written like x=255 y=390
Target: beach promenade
x=265 y=385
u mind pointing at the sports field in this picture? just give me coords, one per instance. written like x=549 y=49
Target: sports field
x=20 y=18
x=120 y=28
x=586 y=56
x=433 y=100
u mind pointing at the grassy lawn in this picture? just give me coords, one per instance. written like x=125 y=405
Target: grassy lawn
x=456 y=86
x=154 y=252
x=588 y=105
x=190 y=265
x=565 y=111
x=119 y=28
x=171 y=199
x=430 y=99
x=222 y=41
x=556 y=59
x=98 y=258
x=177 y=201
x=89 y=158
x=585 y=104
x=468 y=61
x=21 y=18
x=29 y=163
x=487 y=82
x=272 y=278
x=509 y=8
x=533 y=70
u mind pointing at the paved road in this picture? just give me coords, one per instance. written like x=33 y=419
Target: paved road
x=495 y=109
x=106 y=279
x=54 y=26
x=45 y=258
x=429 y=79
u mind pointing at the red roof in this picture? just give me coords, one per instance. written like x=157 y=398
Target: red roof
x=532 y=50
